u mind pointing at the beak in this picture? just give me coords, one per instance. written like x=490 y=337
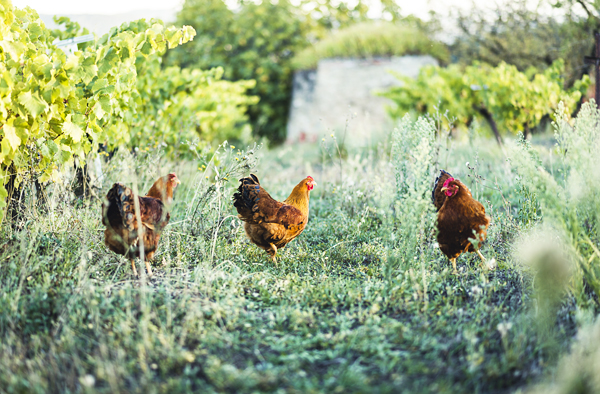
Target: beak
x=444 y=189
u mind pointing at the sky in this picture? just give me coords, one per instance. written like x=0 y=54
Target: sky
x=100 y=7
x=108 y=7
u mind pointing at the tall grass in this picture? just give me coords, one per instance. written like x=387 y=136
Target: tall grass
x=362 y=301
x=567 y=194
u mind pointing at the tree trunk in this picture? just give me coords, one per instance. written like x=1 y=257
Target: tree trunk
x=81 y=186
x=490 y=119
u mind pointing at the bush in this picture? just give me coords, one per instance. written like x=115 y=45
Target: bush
x=57 y=108
x=568 y=194
x=503 y=96
x=255 y=43
x=371 y=39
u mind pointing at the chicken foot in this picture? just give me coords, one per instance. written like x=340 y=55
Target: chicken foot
x=273 y=252
x=454 y=270
x=148 y=268
x=133 y=266
x=484 y=261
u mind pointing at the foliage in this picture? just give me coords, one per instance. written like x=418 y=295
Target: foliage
x=187 y=109
x=56 y=107
x=524 y=36
x=434 y=88
x=414 y=152
x=514 y=100
x=519 y=100
x=68 y=29
x=258 y=40
x=219 y=317
x=568 y=198
x=371 y=39
x=182 y=106
x=254 y=43
x=578 y=370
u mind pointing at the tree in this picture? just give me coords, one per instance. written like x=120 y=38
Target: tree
x=254 y=43
x=525 y=37
x=257 y=40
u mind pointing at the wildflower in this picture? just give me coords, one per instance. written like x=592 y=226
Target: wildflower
x=503 y=328
x=232 y=147
x=88 y=381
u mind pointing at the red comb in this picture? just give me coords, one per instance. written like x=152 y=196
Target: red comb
x=310 y=177
x=448 y=181
x=172 y=175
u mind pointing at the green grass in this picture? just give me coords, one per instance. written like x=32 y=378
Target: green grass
x=342 y=311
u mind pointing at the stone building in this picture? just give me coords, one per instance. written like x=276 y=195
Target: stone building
x=340 y=97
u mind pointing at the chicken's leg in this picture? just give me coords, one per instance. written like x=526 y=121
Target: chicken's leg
x=148 y=268
x=484 y=261
x=480 y=256
x=133 y=266
x=149 y=257
x=273 y=252
x=454 y=270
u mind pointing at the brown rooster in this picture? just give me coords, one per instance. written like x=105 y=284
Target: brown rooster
x=119 y=216
x=460 y=217
x=271 y=224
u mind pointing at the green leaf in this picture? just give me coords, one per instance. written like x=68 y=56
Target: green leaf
x=14 y=49
x=10 y=133
x=98 y=111
x=73 y=131
x=33 y=102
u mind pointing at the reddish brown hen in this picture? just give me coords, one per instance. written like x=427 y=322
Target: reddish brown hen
x=460 y=217
x=122 y=234
x=268 y=223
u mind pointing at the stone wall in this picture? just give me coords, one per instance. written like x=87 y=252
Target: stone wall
x=339 y=97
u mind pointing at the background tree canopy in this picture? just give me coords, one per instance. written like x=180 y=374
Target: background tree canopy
x=265 y=41
x=524 y=36
x=259 y=40
x=255 y=42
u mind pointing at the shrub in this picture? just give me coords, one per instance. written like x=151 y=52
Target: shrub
x=413 y=154
x=371 y=39
x=57 y=108
x=505 y=97
x=254 y=43
x=568 y=195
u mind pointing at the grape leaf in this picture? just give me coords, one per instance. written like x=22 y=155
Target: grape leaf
x=73 y=131
x=33 y=102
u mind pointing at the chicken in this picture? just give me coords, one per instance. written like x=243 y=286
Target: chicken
x=460 y=217
x=268 y=223
x=122 y=225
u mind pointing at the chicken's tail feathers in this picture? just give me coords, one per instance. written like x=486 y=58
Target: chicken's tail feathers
x=437 y=197
x=122 y=197
x=245 y=199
